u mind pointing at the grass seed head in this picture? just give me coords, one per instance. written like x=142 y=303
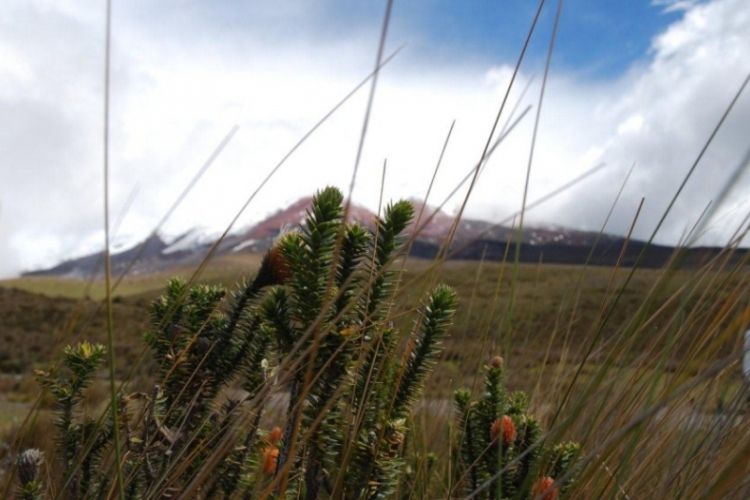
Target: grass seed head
x=28 y=465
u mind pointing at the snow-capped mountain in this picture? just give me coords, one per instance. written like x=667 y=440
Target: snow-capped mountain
x=472 y=239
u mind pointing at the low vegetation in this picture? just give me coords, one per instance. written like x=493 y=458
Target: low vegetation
x=337 y=371
x=314 y=324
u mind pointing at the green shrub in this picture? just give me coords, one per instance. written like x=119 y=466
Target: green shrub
x=313 y=324
x=501 y=451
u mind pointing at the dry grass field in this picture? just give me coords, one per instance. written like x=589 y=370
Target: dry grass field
x=596 y=348
x=555 y=310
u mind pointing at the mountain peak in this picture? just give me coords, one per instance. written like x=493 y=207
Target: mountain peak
x=433 y=226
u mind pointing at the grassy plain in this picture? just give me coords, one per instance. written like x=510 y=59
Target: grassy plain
x=540 y=318
x=597 y=349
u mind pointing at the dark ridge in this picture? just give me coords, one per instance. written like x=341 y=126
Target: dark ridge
x=656 y=256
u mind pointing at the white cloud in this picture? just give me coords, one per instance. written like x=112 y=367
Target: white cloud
x=182 y=76
x=632 y=125
x=676 y=5
x=698 y=65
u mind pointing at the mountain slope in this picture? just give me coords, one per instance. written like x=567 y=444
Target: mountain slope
x=473 y=240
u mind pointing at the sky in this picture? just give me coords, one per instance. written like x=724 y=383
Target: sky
x=637 y=85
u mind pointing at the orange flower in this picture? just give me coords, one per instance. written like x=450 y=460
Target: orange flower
x=274 y=436
x=497 y=362
x=507 y=427
x=544 y=489
x=270 y=457
x=271 y=452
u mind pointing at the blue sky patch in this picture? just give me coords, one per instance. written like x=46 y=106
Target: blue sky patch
x=600 y=39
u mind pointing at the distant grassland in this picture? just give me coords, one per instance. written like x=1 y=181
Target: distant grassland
x=541 y=318
x=224 y=270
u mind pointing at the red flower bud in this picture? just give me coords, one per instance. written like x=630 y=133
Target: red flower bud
x=544 y=489
x=506 y=426
x=270 y=457
x=274 y=436
x=270 y=453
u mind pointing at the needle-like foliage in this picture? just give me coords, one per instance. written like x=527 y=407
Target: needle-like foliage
x=310 y=329
x=501 y=453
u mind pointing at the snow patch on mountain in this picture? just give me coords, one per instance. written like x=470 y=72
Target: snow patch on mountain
x=244 y=244
x=195 y=238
